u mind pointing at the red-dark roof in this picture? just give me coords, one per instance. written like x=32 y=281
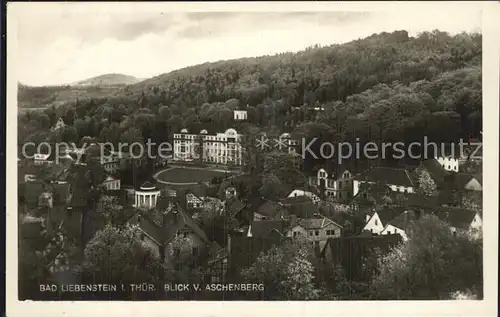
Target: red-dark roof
x=163 y=223
x=261 y=229
x=387 y=214
x=456 y=217
x=234 y=206
x=295 y=200
x=462 y=179
x=404 y=219
x=270 y=208
x=437 y=172
x=388 y=176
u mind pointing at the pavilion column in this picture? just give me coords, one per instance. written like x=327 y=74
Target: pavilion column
x=135 y=196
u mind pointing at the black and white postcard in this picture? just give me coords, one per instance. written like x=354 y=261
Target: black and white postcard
x=252 y=158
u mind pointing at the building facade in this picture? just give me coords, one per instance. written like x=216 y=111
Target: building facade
x=146 y=196
x=240 y=115
x=111 y=183
x=221 y=148
x=336 y=186
x=449 y=163
x=286 y=143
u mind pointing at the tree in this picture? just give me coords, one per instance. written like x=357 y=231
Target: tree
x=117 y=255
x=111 y=210
x=426 y=185
x=285 y=166
x=433 y=263
x=286 y=271
x=271 y=188
x=212 y=208
x=52 y=251
x=131 y=136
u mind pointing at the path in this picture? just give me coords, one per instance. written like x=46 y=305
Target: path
x=155 y=176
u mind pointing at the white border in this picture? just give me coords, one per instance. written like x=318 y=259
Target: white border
x=491 y=65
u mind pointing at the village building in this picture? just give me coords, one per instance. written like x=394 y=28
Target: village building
x=301 y=192
x=59 y=124
x=301 y=206
x=146 y=196
x=316 y=230
x=221 y=148
x=166 y=222
x=270 y=210
x=240 y=115
x=335 y=182
x=267 y=229
x=287 y=143
x=400 y=224
x=377 y=220
x=41 y=159
x=462 y=220
x=397 y=179
x=464 y=181
x=111 y=183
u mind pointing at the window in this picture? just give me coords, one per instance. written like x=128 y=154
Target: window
x=316 y=232
x=310 y=233
x=376 y=222
x=295 y=234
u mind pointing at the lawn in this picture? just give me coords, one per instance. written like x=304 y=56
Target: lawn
x=189 y=175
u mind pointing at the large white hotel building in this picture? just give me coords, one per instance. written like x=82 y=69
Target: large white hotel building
x=221 y=148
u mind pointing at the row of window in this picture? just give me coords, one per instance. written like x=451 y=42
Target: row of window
x=180 y=138
x=316 y=233
x=113 y=185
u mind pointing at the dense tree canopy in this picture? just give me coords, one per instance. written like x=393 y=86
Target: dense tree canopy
x=388 y=86
x=433 y=263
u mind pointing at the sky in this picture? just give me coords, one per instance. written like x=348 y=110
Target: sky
x=70 y=42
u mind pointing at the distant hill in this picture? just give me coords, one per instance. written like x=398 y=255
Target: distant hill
x=108 y=80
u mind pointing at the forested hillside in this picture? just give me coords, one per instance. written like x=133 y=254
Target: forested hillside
x=108 y=80
x=388 y=86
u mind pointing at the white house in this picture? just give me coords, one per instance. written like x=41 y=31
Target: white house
x=391 y=229
x=40 y=159
x=376 y=221
x=400 y=224
x=299 y=192
x=373 y=223
x=240 y=115
x=448 y=163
